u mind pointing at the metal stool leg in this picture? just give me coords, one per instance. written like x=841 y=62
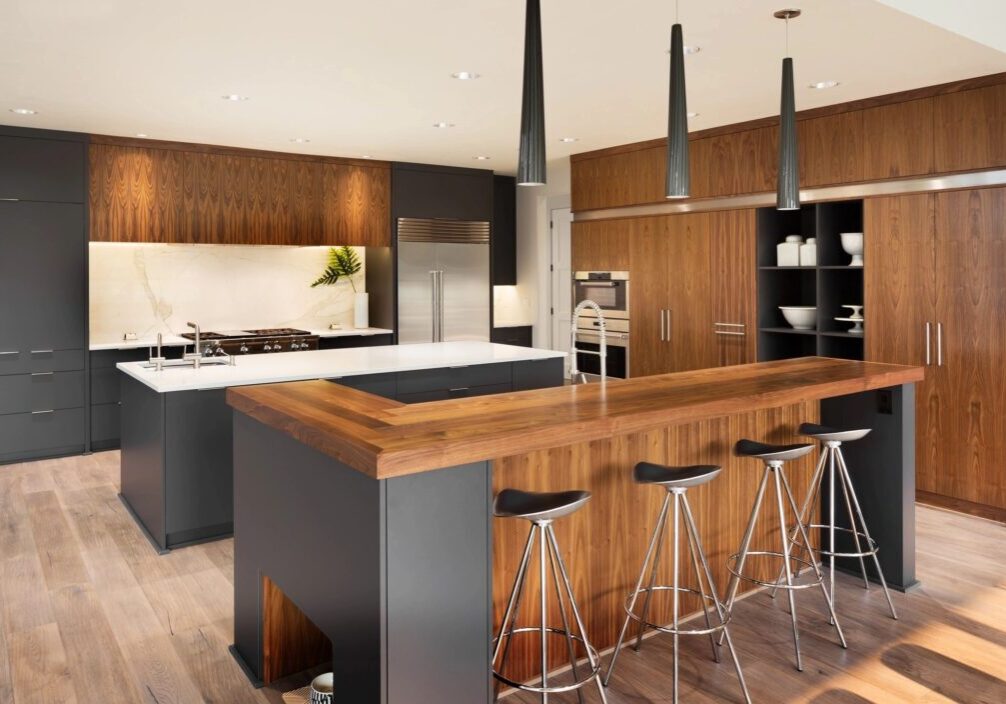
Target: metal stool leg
x=576 y=613
x=657 y=533
x=745 y=546
x=702 y=590
x=846 y=488
x=817 y=571
x=513 y=606
x=542 y=550
x=696 y=543
x=866 y=531
x=676 y=598
x=649 y=592
x=776 y=469
x=565 y=623
x=812 y=490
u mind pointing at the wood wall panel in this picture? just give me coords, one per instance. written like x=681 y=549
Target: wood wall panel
x=970 y=129
x=736 y=163
x=831 y=149
x=628 y=178
x=898 y=140
x=161 y=194
x=604 y=543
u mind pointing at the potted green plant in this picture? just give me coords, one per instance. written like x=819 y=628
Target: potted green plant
x=344 y=262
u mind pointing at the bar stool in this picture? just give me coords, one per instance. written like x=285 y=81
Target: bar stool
x=677 y=481
x=774 y=457
x=540 y=509
x=831 y=440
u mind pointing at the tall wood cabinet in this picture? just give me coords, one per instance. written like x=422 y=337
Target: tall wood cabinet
x=935 y=293
x=693 y=291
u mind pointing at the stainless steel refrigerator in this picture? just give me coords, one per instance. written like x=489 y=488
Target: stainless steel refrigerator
x=444 y=292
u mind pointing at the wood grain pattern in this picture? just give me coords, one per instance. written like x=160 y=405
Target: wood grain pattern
x=970 y=129
x=601 y=246
x=971 y=278
x=157 y=194
x=290 y=642
x=734 y=286
x=650 y=253
x=384 y=439
x=898 y=140
x=735 y=163
x=605 y=542
x=831 y=149
x=901 y=290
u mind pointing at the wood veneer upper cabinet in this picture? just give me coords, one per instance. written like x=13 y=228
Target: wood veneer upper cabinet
x=970 y=129
x=831 y=149
x=735 y=163
x=601 y=245
x=733 y=284
x=971 y=276
x=148 y=194
x=625 y=178
x=898 y=140
x=901 y=293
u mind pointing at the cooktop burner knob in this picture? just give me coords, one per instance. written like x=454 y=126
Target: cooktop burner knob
x=267 y=347
x=243 y=349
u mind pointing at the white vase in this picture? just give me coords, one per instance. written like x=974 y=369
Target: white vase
x=361 y=310
x=788 y=252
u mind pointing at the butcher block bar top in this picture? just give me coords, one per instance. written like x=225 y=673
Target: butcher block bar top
x=384 y=438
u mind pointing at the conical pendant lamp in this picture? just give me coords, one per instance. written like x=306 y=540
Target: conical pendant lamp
x=531 y=162
x=677 y=181
x=788 y=185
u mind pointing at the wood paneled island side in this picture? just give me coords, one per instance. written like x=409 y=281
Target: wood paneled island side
x=372 y=518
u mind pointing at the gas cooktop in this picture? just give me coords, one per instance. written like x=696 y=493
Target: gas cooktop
x=237 y=334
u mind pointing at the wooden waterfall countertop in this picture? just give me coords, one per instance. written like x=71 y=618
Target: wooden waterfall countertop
x=384 y=438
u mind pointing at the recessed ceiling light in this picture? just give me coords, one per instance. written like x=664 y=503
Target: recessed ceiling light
x=366 y=156
x=443 y=125
x=693 y=114
x=235 y=98
x=465 y=75
x=300 y=140
x=24 y=111
x=689 y=50
x=822 y=85
x=481 y=157
x=568 y=140
x=141 y=134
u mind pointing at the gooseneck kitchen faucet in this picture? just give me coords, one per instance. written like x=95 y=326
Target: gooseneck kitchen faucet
x=602 y=353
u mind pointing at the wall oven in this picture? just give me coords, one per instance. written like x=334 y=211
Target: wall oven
x=608 y=289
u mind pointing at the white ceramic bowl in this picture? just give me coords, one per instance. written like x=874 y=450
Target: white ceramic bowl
x=321 y=689
x=800 y=317
x=852 y=243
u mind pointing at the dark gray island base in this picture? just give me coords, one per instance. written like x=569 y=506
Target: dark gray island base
x=177 y=446
x=364 y=533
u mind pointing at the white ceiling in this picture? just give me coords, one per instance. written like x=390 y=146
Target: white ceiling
x=370 y=77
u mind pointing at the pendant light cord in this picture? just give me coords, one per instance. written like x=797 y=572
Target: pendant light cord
x=677 y=12
x=787 y=36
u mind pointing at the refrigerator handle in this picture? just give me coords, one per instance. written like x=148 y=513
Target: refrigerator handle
x=434 y=307
x=439 y=313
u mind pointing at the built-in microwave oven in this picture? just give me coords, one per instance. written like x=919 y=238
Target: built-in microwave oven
x=608 y=289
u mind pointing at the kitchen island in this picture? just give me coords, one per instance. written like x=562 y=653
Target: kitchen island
x=400 y=571
x=176 y=467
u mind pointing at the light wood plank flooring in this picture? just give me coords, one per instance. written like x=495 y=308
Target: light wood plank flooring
x=89 y=613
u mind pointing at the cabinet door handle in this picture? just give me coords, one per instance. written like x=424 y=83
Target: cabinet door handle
x=939 y=344
x=42 y=413
x=42 y=351
x=42 y=373
x=730 y=325
x=728 y=332
x=669 y=311
x=663 y=326
x=459 y=388
x=9 y=354
x=929 y=346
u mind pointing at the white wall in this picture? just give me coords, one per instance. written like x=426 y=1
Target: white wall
x=533 y=246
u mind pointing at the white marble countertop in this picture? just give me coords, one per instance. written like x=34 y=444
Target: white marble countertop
x=176 y=341
x=331 y=364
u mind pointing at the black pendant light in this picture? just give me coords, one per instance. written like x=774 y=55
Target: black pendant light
x=788 y=187
x=677 y=182
x=531 y=163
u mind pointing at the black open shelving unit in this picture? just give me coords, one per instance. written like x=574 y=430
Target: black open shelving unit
x=829 y=285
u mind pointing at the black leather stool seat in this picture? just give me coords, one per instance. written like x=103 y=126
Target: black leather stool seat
x=675 y=477
x=771 y=453
x=827 y=434
x=538 y=506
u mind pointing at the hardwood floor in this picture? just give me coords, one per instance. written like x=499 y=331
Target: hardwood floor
x=89 y=613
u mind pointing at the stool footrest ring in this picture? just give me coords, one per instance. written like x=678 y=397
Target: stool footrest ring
x=669 y=629
x=732 y=561
x=873 y=547
x=582 y=681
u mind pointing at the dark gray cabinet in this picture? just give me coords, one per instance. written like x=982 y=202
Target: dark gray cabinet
x=106 y=383
x=50 y=170
x=517 y=335
x=503 y=241
x=425 y=191
x=43 y=294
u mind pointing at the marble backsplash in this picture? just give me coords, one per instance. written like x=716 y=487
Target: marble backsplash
x=151 y=288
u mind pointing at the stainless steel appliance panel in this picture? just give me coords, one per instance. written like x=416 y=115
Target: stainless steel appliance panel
x=416 y=263
x=608 y=289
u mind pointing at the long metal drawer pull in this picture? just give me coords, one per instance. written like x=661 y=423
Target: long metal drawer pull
x=42 y=413
x=939 y=344
x=729 y=332
x=9 y=354
x=42 y=351
x=42 y=373
x=929 y=352
x=731 y=325
x=663 y=329
x=669 y=312
x=459 y=388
